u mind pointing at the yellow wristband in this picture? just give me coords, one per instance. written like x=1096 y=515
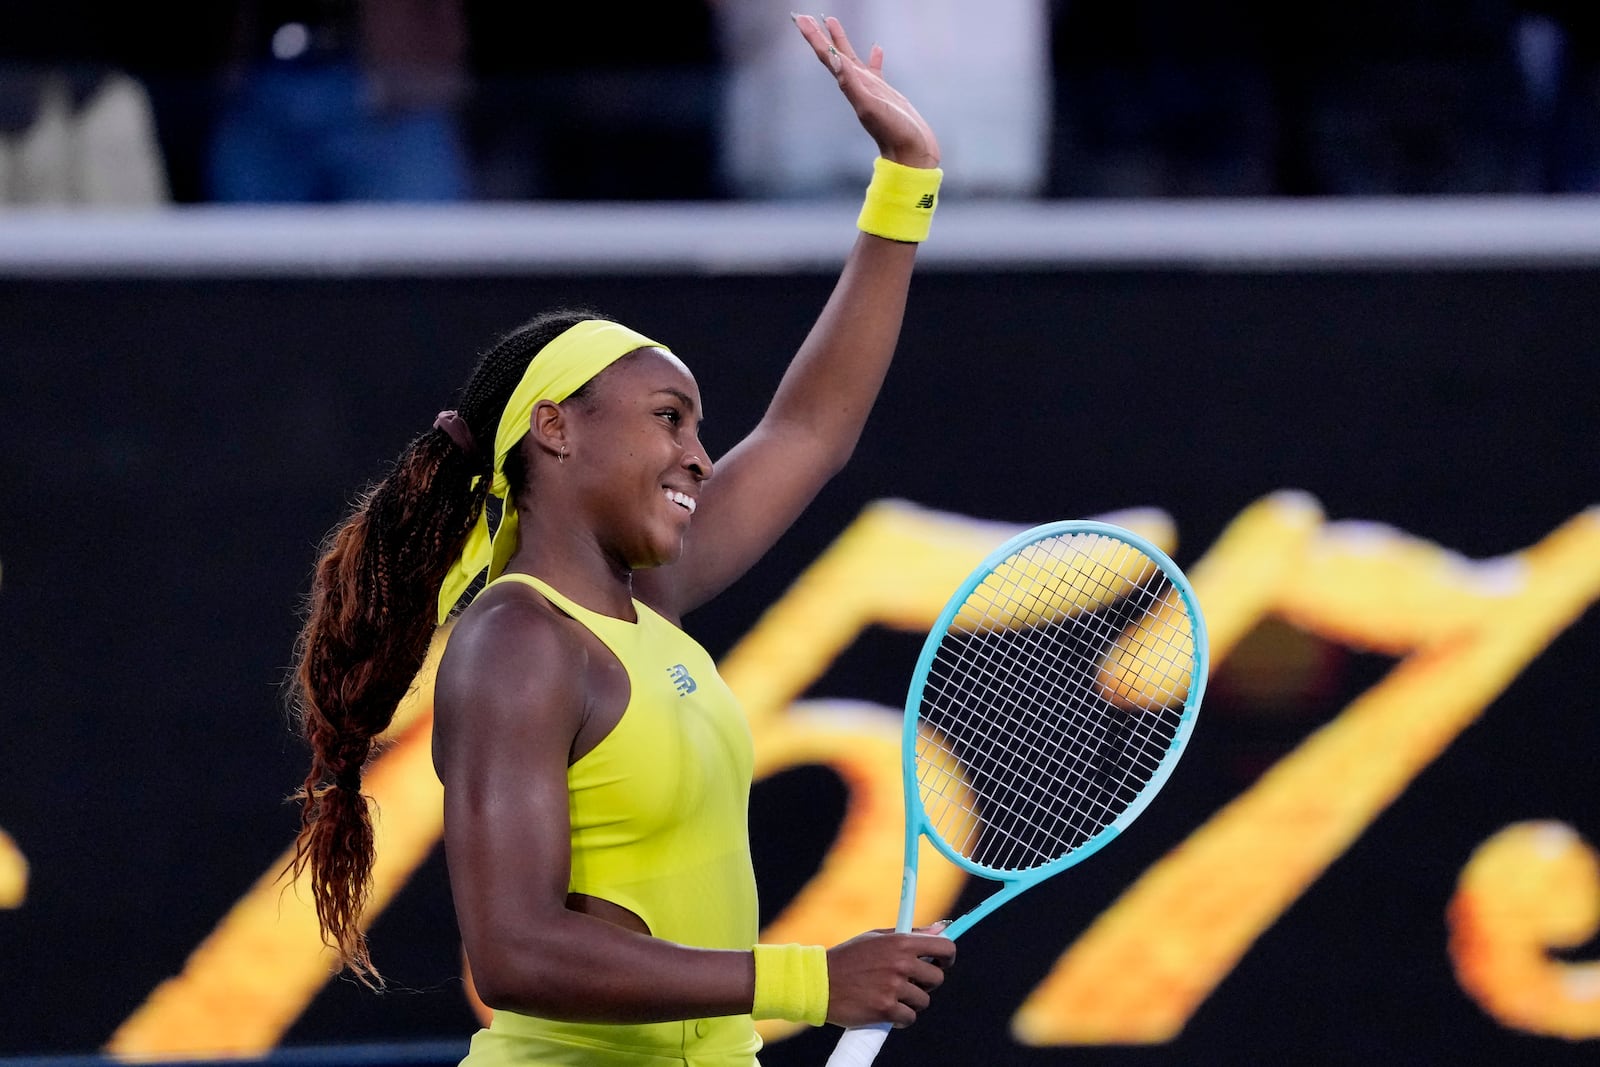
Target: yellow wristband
x=792 y=983
x=900 y=201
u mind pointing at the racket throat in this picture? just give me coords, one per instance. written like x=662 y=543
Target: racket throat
x=908 y=899
x=990 y=903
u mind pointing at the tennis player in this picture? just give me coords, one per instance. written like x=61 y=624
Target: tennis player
x=596 y=769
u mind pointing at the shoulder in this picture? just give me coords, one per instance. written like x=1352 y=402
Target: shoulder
x=508 y=630
x=512 y=662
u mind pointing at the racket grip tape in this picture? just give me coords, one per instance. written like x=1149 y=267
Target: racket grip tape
x=859 y=1047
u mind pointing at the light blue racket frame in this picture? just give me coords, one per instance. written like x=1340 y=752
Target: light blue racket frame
x=917 y=824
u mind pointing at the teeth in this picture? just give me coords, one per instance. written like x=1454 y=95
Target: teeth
x=682 y=499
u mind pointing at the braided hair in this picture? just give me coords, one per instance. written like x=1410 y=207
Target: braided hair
x=370 y=620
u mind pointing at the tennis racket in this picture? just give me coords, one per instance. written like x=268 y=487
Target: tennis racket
x=1051 y=701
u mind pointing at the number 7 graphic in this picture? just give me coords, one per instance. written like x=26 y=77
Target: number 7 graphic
x=1470 y=628
x=1466 y=629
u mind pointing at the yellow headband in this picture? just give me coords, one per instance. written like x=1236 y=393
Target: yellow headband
x=558 y=370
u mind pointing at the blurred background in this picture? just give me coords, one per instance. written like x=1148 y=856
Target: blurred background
x=325 y=100
x=1308 y=293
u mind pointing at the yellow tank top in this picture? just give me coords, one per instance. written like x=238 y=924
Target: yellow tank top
x=660 y=826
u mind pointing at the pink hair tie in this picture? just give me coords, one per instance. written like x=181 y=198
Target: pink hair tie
x=458 y=431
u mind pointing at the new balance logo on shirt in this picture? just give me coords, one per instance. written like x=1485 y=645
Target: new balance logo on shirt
x=681 y=679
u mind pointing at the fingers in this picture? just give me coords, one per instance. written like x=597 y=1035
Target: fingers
x=817 y=37
x=926 y=976
x=835 y=30
x=913 y=1002
x=916 y=992
x=832 y=45
x=940 y=951
x=886 y=977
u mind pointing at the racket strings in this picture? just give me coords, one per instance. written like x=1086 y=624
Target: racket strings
x=983 y=731
x=1013 y=818
x=1052 y=700
x=1087 y=808
x=1055 y=770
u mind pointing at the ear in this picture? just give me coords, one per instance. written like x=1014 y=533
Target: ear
x=547 y=426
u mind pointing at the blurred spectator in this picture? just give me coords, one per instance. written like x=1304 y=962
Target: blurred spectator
x=980 y=73
x=343 y=100
x=83 y=136
x=1560 y=51
x=75 y=128
x=600 y=103
x=300 y=100
x=176 y=52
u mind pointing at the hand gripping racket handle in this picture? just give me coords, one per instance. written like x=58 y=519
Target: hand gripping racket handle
x=859 y=1047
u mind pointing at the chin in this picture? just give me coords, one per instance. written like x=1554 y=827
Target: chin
x=659 y=555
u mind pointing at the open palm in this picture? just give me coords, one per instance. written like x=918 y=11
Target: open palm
x=903 y=136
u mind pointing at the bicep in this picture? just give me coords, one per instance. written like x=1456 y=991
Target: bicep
x=506 y=835
x=505 y=729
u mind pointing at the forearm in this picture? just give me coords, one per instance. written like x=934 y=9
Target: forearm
x=820 y=407
x=577 y=968
x=823 y=400
x=833 y=380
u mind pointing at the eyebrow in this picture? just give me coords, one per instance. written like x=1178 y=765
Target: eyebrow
x=684 y=398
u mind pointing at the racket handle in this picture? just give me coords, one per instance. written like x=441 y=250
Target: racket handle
x=859 y=1047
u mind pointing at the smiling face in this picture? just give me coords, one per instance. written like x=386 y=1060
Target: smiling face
x=636 y=456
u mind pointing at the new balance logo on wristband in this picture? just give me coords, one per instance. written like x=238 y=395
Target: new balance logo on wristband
x=900 y=201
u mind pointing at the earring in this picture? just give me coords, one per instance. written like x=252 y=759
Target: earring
x=563 y=457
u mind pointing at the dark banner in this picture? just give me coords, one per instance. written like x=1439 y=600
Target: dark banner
x=1378 y=847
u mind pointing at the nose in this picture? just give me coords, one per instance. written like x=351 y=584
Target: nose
x=697 y=460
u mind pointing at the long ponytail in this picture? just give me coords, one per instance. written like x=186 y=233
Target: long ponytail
x=370 y=621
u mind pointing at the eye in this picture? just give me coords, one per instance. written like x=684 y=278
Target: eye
x=672 y=415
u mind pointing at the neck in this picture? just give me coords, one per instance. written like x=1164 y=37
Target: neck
x=570 y=559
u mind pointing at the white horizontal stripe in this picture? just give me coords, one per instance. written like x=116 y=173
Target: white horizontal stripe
x=565 y=237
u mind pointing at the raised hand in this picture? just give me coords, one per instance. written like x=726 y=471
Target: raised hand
x=902 y=135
